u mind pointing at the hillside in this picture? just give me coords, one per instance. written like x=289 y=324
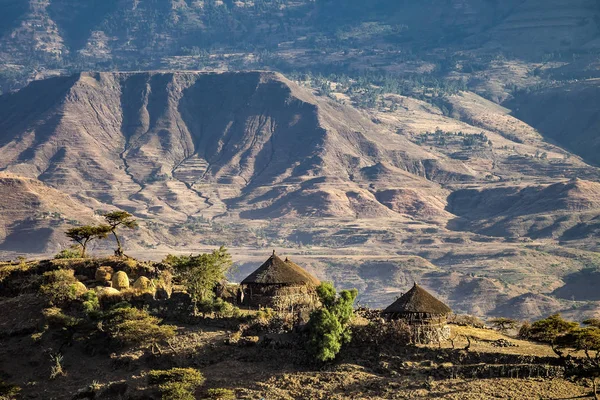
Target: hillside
x=566 y=210
x=253 y=160
x=85 y=340
x=33 y=215
x=566 y=114
x=175 y=145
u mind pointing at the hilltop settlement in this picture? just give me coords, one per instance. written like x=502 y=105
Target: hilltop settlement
x=76 y=327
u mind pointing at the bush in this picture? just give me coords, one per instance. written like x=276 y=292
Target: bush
x=264 y=315
x=221 y=394
x=524 y=330
x=91 y=303
x=328 y=326
x=56 y=318
x=71 y=252
x=60 y=287
x=8 y=391
x=130 y=326
x=176 y=383
x=219 y=307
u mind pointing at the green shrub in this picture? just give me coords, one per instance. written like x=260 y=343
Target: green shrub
x=91 y=303
x=264 y=315
x=219 y=307
x=130 y=326
x=329 y=326
x=176 y=383
x=60 y=287
x=72 y=252
x=221 y=394
x=58 y=319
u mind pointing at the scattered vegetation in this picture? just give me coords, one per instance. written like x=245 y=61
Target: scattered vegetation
x=8 y=391
x=131 y=326
x=221 y=394
x=176 y=383
x=56 y=370
x=69 y=253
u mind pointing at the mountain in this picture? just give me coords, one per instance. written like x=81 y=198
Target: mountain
x=254 y=160
x=174 y=145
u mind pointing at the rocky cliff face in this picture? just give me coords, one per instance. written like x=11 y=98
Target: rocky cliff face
x=180 y=144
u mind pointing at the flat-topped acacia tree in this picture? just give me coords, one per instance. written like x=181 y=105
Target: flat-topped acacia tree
x=116 y=219
x=84 y=234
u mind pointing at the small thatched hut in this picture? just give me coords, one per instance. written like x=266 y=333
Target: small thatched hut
x=425 y=314
x=279 y=284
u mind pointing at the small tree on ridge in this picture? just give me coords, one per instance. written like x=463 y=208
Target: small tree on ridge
x=84 y=234
x=115 y=219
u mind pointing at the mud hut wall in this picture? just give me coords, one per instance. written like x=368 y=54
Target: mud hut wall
x=420 y=318
x=259 y=295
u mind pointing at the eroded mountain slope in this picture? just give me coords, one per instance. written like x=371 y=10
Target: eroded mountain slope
x=174 y=145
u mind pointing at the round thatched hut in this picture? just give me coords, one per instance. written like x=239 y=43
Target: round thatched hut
x=279 y=284
x=425 y=315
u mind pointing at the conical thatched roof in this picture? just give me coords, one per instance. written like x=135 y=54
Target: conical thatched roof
x=275 y=271
x=418 y=300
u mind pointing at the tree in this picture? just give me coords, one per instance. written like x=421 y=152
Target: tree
x=200 y=274
x=328 y=326
x=503 y=324
x=586 y=340
x=548 y=329
x=566 y=336
x=83 y=235
x=119 y=218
